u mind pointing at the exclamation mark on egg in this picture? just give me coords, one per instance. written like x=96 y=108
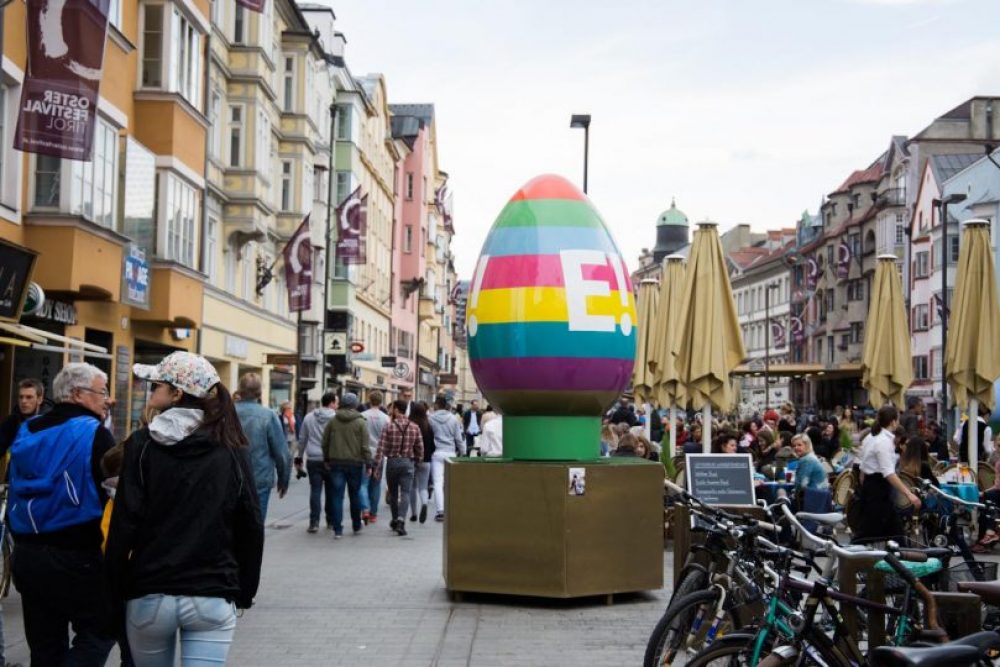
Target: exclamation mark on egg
x=472 y=325
x=626 y=319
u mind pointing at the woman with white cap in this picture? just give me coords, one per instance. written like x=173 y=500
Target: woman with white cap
x=186 y=540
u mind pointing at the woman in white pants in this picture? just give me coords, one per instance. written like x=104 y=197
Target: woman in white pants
x=448 y=441
x=422 y=473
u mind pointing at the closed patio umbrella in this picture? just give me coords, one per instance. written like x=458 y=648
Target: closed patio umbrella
x=668 y=389
x=642 y=376
x=886 y=363
x=709 y=344
x=972 y=358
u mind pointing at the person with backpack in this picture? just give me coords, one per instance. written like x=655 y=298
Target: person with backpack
x=55 y=506
x=186 y=540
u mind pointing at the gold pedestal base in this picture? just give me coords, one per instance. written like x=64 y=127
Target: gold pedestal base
x=514 y=528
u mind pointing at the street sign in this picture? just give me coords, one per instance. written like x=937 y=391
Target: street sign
x=335 y=342
x=388 y=362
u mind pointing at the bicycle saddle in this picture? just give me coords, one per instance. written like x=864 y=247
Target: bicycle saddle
x=946 y=655
x=989 y=591
x=829 y=519
x=987 y=639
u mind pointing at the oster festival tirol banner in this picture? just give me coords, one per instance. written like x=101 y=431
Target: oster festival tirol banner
x=65 y=58
x=298 y=269
x=352 y=226
x=254 y=5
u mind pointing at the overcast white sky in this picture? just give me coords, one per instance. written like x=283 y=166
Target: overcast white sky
x=745 y=110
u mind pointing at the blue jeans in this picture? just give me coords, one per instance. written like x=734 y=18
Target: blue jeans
x=320 y=480
x=263 y=495
x=349 y=475
x=206 y=628
x=371 y=491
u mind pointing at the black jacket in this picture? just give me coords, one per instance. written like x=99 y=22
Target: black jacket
x=467 y=418
x=186 y=521
x=85 y=536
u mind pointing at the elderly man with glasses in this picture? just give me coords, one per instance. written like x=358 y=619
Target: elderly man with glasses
x=55 y=506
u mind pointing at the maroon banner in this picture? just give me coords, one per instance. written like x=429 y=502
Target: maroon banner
x=798 y=331
x=843 y=260
x=352 y=223
x=253 y=5
x=65 y=58
x=812 y=273
x=298 y=269
x=778 y=333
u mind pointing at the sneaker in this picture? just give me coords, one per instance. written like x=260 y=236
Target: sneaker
x=401 y=531
x=337 y=536
x=413 y=517
x=439 y=517
x=365 y=516
x=313 y=528
x=423 y=514
x=372 y=518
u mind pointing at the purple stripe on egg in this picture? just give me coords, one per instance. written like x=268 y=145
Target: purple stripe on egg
x=552 y=373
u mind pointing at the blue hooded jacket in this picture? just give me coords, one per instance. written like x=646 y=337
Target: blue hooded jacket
x=268 y=447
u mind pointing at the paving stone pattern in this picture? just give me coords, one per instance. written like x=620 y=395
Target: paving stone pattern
x=378 y=599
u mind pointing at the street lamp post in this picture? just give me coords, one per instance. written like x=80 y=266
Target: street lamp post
x=767 y=343
x=578 y=121
x=942 y=205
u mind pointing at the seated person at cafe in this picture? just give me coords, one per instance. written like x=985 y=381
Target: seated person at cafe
x=809 y=474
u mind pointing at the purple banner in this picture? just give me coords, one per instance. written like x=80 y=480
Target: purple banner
x=812 y=273
x=843 y=260
x=253 y=5
x=778 y=334
x=352 y=227
x=65 y=58
x=797 y=329
x=298 y=269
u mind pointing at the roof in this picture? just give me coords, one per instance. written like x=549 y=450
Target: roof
x=673 y=216
x=870 y=175
x=425 y=112
x=947 y=165
x=744 y=258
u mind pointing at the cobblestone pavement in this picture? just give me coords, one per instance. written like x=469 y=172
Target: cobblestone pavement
x=378 y=599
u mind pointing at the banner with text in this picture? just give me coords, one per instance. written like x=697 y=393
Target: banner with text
x=352 y=225
x=65 y=59
x=253 y=5
x=298 y=269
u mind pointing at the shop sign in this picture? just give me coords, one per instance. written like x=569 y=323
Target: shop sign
x=335 y=342
x=16 y=264
x=363 y=356
x=236 y=347
x=426 y=377
x=388 y=361
x=56 y=311
x=448 y=378
x=135 y=278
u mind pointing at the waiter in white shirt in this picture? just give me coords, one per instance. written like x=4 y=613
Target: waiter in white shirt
x=879 y=518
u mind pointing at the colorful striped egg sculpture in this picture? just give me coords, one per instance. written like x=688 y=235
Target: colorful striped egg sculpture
x=551 y=321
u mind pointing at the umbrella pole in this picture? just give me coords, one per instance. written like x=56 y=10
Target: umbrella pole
x=673 y=431
x=974 y=436
x=706 y=429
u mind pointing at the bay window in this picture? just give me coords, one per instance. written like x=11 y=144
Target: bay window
x=171 y=52
x=288 y=86
x=286 y=185
x=235 y=135
x=178 y=222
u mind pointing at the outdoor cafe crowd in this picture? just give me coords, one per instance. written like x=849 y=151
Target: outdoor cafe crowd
x=866 y=462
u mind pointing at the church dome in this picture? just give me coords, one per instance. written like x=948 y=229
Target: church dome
x=673 y=217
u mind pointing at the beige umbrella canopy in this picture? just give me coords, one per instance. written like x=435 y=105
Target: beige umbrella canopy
x=642 y=376
x=709 y=344
x=886 y=363
x=972 y=358
x=669 y=390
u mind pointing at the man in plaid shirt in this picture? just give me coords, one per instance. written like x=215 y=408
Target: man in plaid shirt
x=402 y=446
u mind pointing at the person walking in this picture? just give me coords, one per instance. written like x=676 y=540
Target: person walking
x=286 y=415
x=270 y=457
x=186 y=540
x=371 y=485
x=30 y=395
x=401 y=444
x=311 y=444
x=448 y=441
x=420 y=491
x=346 y=453
x=472 y=422
x=878 y=480
x=56 y=501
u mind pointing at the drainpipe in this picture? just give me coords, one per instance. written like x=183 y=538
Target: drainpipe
x=330 y=239
x=199 y=342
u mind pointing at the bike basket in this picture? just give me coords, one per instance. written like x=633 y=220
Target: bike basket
x=962 y=571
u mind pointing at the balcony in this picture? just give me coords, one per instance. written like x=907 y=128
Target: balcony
x=892 y=197
x=426 y=311
x=175 y=297
x=77 y=260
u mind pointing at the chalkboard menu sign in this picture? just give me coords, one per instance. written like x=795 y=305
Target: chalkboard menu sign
x=721 y=479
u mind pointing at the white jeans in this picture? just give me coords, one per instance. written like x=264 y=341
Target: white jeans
x=437 y=472
x=418 y=492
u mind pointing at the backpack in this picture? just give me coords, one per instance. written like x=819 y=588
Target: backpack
x=51 y=482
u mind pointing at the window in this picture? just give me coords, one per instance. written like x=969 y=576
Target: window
x=856 y=290
x=409 y=185
x=249 y=271
x=953 y=241
x=229 y=257
x=115 y=13
x=900 y=229
x=215 y=118
x=239 y=24
x=343 y=122
x=211 y=249
x=922 y=265
x=218 y=13
x=935 y=363
x=185 y=51
x=408 y=239
x=343 y=186
x=152 y=46
x=286 y=185
x=289 y=84
x=829 y=300
x=920 y=368
x=180 y=212
x=236 y=135
x=919 y=317
x=265 y=23
x=319 y=184
x=263 y=148
x=93 y=183
x=857 y=332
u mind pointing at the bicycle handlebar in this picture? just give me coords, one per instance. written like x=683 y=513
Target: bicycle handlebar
x=928 y=486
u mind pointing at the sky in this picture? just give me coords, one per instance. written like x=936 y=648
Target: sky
x=745 y=111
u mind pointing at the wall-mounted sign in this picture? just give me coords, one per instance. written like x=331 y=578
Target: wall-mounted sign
x=388 y=361
x=335 y=342
x=34 y=300
x=357 y=347
x=56 y=311
x=135 y=277
x=448 y=378
x=401 y=371
x=16 y=264
x=363 y=356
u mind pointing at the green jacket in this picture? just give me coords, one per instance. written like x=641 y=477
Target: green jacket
x=345 y=438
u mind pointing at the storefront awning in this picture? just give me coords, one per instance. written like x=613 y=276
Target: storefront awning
x=39 y=337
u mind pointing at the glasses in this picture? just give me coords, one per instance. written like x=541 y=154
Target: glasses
x=103 y=393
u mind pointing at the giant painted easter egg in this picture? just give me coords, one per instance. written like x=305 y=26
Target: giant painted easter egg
x=550 y=315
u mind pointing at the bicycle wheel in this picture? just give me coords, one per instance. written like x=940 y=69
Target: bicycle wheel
x=684 y=628
x=693 y=579
x=813 y=649
x=731 y=651
x=6 y=549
